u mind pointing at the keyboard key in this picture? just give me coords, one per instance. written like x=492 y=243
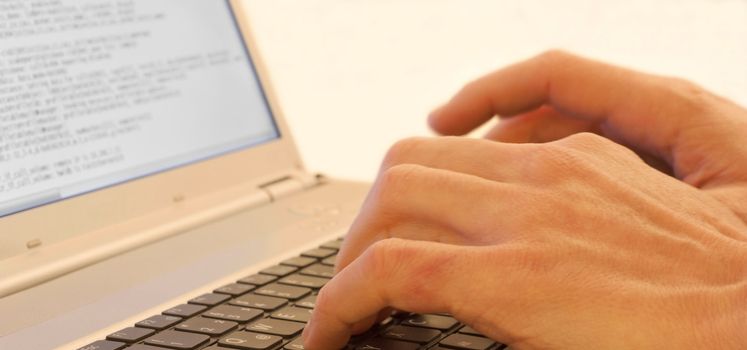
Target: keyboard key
x=159 y=322
x=293 y=314
x=279 y=270
x=210 y=299
x=319 y=270
x=304 y=281
x=207 y=326
x=235 y=289
x=463 y=341
x=258 y=280
x=331 y=261
x=386 y=344
x=319 y=253
x=299 y=261
x=295 y=345
x=412 y=334
x=431 y=321
x=259 y=302
x=185 y=310
x=335 y=244
x=213 y=347
x=145 y=347
x=469 y=330
x=104 y=345
x=249 y=340
x=130 y=334
x=309 y=302
x=276 y=327
x=177 y=340
x=283 y=291
x=233 y=313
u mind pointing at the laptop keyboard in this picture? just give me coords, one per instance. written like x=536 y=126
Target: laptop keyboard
x=268 y=311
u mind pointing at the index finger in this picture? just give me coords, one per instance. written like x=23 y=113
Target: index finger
x=416 y=276
x=634 y=103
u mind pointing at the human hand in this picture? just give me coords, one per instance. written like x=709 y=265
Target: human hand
x=572 y=244
x=671 y=123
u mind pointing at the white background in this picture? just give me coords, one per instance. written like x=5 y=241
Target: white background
x=354 y=76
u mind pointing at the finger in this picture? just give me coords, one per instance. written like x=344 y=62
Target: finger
x=545 y=124
x=377 y=229
x=541 y=125
x=647 y=110
x=416 y=195
x=552 y=78
x=391 y=274
x=477 y=157
x=363 y=326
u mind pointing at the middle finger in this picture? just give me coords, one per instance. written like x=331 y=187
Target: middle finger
x=486 y=159
x=440 y=205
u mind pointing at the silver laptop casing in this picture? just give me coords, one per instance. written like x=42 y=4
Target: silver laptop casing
x=116 y=256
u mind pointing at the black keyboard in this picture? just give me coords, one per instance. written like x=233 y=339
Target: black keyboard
x=268 y=311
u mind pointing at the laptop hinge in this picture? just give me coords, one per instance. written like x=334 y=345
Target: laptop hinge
x=287 y=185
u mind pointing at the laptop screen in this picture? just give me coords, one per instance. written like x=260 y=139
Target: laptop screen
x=98 y=92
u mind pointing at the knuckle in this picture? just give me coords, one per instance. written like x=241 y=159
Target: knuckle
x=557 y=158
x=394 y=180
x=400 y=265
x=391 y=186
x=471 y=86
x=687 y=94
x=324 y=299
x=685 y=86
x=384 y=256
x=401 y=151
x=554 y=56
x=590 y=144
x=585 y=140
x=550 y=62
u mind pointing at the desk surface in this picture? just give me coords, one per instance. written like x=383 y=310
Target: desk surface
x=354 y=76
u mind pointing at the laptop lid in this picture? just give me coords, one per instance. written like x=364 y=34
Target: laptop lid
x=111 y=111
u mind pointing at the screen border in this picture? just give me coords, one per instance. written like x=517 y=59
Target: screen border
x=120 y=203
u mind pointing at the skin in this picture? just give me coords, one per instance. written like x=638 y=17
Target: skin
x=607 y=210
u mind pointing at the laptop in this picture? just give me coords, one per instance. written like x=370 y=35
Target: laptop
x=151 y=196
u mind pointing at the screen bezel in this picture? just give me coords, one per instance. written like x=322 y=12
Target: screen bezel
x=124 y=202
